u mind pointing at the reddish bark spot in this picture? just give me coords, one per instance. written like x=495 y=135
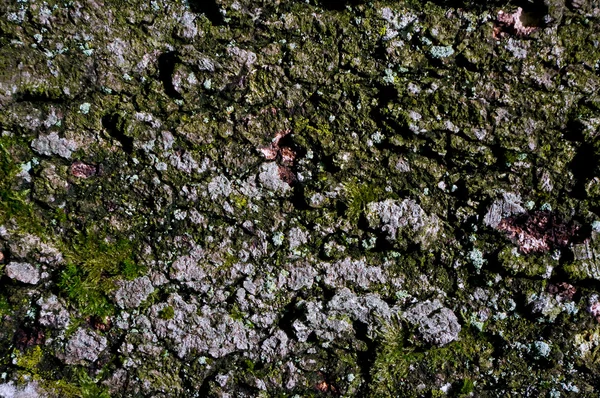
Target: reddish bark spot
x=83 y=170
x=27 y=337
x=284 y=154
x=540 y=231
x=513 y=24
x=562 y=290
x=325 y=386
x=595 y=310
x=322 y=386
x=287 y=175
x=102 y=324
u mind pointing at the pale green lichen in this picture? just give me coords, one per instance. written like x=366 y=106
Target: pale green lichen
x=476 y=258
x=441 y=51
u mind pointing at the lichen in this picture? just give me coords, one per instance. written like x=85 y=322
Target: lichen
x=299 y=198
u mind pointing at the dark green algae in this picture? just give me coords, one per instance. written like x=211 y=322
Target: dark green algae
x=467 y=110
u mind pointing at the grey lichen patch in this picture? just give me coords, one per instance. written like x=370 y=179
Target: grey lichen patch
x=276 y=346
x=395 y=217
x=585 y=264
x=213 y=333
x=83 y=347
x=318 y=322
x=53 y=312
x=130 y=294
x=369 y=309
x=189 y=268
x=52 y=144
x=23 y=272
x=435 y=323
x=29 y=390
x=219 y=187
x=299 y=198
x=356 y=272
x=24 y=246
x=548 y=307
x=270 y=177
x=297 y=237
x=301 y=276
x=510 y=204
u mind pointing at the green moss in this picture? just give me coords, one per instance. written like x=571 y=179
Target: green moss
x=5 y=307
x=589 y=340
x=167 y=313
x=249 y=365
x=87 y=292
x=131 y=269
x=90 y=388
x=74 y=382
x=94 y=262
x=400 y=367
x=579 y=44
x=326 y=88
x=162 y=376
x=42 y=91
x=29 y=359
x=531 y=266
x=14 y=202
x=236 y=313
x=313 y=136
x=99 y=254
x=61 y=388
x=358 y=196
x=239 y=201
x=467 y=387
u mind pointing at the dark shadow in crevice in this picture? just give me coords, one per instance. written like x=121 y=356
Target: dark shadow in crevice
x=533 y=12
x=535 y=8
x=298 y=200
x=114 y=125
x=559 y=275
x=329 y=164
x=365 y=359
x=28 y=335
x=46 y=97
x=383 y=243
x=291 y=312
x=166 y=66
x=209 y=8
x=339 y=5
x=462 y=62
x=387 y=94
x=574 y=131
x=584 y=166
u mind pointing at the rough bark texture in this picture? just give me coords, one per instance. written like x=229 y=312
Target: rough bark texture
x=259 y=198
